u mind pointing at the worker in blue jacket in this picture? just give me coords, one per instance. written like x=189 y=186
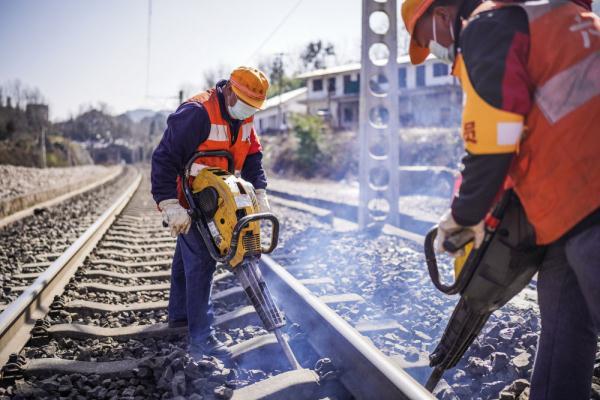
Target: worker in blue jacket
x=217 y=119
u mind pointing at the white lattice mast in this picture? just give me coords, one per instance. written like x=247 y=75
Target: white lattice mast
x=379 y=114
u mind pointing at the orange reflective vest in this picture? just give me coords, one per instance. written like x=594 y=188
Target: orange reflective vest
x=556 y=171
x=220 y=138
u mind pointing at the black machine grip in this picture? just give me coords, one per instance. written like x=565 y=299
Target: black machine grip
x=458 y=240
x=242 y=223
x=214 y=154
x=434 y=272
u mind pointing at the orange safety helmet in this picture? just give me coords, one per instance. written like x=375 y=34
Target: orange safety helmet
x=412 y=10
x=250 y=85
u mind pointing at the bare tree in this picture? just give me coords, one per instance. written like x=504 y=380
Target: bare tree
x=14 y=90
x=188 y=89
x=104 y=108
x=213 y=75
x=20 y=94
x=33 y=96
x=84 y=108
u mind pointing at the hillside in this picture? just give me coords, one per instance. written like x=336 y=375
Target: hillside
x=94 y=136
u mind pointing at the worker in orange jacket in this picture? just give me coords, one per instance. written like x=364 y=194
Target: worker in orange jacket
x=220 y=118
x=530 y=73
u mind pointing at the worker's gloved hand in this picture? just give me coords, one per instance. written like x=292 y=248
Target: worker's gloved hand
x=448 y=227
x=263 y=201
x=195 y=168
x=175 y=216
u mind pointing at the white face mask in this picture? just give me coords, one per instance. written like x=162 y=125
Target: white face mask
x=241 y=110
x=445 y=54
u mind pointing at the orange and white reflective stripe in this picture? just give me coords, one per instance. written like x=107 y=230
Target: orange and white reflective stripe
x=245 y=90
x=485 y=128
x=508 y=133
x=246 y=131
x=218 y=133
x=570 y=88
x=536 y=9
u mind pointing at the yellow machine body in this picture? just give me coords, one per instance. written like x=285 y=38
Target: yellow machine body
x=459 y=262
x=236 y=200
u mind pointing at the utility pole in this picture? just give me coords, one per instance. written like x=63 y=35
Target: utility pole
x=279 y=68
x=43 y=147
x=69 y=155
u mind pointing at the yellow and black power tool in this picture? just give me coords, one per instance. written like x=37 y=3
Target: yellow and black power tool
x=486 y=278
x=225 y=211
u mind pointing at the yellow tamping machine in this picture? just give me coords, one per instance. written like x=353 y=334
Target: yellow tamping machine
x=225 y=211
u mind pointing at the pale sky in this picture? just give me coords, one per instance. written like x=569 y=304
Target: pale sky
x=89 y=51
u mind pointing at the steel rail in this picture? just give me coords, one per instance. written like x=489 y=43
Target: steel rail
x=365 y=371
x=19 y=317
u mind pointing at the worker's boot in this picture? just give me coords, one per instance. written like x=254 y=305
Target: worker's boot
x=211 y=346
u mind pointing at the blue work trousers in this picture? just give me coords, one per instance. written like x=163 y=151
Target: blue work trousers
x=191 y=283
x=569 y=299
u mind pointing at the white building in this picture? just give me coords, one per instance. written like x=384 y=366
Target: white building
x=275 y=114
x=429 y=96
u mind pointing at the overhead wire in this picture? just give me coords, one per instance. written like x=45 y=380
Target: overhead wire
x=279 y=25
x=254 y=53
x=148 y=45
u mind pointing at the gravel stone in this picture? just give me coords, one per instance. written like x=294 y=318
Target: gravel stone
x=530 y=339
x=477 y=366
x=596 y=389
x=486 y=350
x=17 y=181
x=516 y=388
x=178 y=386
x=521 y=361
x=507 y=333
x=444 y=391
x=499 y=361
x=507 y=396
x=223 y=392
x=50 y=385
x=489 y=389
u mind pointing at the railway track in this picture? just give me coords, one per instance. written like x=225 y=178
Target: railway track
x=93 y=324
x=402 y=313
x=30 y=240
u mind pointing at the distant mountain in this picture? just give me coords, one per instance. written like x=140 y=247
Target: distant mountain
x=139 y=114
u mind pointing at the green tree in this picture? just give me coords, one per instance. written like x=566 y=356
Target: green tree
x=308 y=129
x=315 y=55
x=279 y=80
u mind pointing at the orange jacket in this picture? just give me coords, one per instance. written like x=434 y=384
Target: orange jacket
x=556 y=171
x=221 y=138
